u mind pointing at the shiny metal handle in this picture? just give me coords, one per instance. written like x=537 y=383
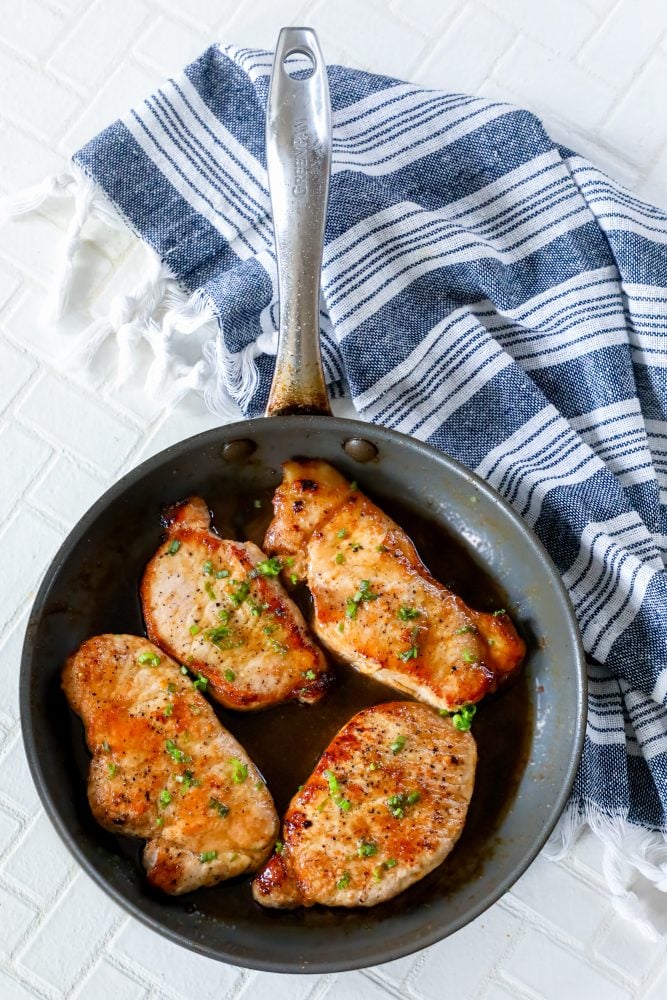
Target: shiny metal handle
x=298 y=156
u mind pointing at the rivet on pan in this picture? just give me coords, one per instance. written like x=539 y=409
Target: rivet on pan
x=360 y=450
x=238 y=451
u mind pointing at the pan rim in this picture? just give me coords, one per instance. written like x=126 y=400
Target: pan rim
x=380 y=954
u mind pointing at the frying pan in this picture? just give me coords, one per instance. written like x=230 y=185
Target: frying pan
x=91 y=587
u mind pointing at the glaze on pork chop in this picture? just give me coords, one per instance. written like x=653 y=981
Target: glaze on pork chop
x=219 y=607
x=384 y=806
x=376 y=606
x=164 y=768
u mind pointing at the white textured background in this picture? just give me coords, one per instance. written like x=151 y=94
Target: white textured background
x=596 y=70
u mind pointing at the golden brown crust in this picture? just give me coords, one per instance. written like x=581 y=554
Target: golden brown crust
x=240 y=630
x=384 y=806
x=164 y=769
x=376 y=605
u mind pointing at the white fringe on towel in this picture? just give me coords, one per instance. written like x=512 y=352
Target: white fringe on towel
x=157 y=311
x=627 y=851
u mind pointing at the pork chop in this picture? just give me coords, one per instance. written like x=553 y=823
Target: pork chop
x=164 y=768
x=376 y=606
x=219 y=607
x=384 y=806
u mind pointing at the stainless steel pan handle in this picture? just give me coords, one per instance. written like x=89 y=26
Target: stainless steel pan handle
x=298 y=155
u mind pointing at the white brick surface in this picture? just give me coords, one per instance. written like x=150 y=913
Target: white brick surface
x=473 y=953
x=105 y=980
x=16 y=917
x=63 y=412
x=99 y=38
x=543 y=964
x=30 y=27
x=65 y=943
x=39 y=865
x=596 y=71
x=193 y=975
x=28 y=543
x=25 y=454
x=16 y=367
x=543 y=888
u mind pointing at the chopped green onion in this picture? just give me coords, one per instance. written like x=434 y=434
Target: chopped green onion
x=210 y=591
x=221 y=809
x=239 y=770
x=222 y=574
x=334 y=786
x=169 y=709
x=364 y=593
x=377 y=874
x=344 y=881
x=257 y=504
x=367 y=848
x=397 y=804
x=466 y=628
x=194 y=629
x=343 y=533
x=499 y=613
x=381 y=548
x=174 y=547
x=390 y=863
x=112 y=769
x=408 y=614
x=238 y=596
x=230 y=676
x=159 y=821
x=184 y=671
x=105 y=746
x=409 y=654
x=201 y=683
x=187 y=778
x=269 y=567
x=341 y=626
x=310 y=675
x=340 y=558
x=148 y=657
x=461 y=717
x=279 y=647
x=207 y=568
x=178 y=755
x=468 y=656
x=257 y=609
x=207 y=856
x=293 y=579
x=165 y=797
x=223 y=637
x=171 y=687
x=354 y=485
x=279 y=847
x=355 y=546
x=397 y=745
x=224 y=616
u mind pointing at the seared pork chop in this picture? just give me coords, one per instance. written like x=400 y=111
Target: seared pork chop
x=376 y=605
x=164 y=768
x=219 y=607
x=384 y=806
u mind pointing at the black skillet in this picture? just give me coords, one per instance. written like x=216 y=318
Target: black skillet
x=529 y=737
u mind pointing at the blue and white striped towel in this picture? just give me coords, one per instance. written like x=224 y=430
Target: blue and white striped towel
x=483 y=289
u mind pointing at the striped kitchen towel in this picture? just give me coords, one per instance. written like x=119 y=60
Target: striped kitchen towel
x=483 y=289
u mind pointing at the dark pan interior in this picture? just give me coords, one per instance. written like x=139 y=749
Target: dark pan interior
x=529 y=736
